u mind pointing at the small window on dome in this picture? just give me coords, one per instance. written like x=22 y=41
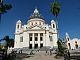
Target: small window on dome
x=40 y=23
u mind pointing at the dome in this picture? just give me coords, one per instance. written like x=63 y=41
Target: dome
x=36 y=14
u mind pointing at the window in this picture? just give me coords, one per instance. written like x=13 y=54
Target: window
x=30 y=37
x=21 y=39
x=30 y=46
x=30 y=34
x=53 y=26
x=17 y=26
x=76 y=45
x=36 y=36
x=41 y=45
x=41 y=36
x=69 y=45
x=50 y=38
x=36 y=46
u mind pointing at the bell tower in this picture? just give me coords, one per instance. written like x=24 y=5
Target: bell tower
x=67 y=37
x=53 y=24
x=18 y=25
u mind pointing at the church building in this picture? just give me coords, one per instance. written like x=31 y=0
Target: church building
x=35 y=33
x=72 y=43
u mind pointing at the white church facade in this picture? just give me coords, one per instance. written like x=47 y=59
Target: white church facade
x=36 y=33
x=72 y=43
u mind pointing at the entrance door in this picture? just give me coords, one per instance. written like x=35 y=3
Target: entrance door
x=36 y=46
x=41 y=45
x=30 y=46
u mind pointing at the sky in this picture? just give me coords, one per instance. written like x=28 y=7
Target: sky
x=68 y=19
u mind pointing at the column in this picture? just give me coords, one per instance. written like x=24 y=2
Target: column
x=33 y=40
x=44 y=39
x=38 y=40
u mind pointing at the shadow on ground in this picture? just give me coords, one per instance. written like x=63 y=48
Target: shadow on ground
x=19 y=56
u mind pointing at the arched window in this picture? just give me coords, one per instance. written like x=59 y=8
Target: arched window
x=17 y=26
x=53 y=26
x=69 y=45
x=76 y=45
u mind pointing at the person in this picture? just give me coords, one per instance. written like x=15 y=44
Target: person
x=65 y=55
x=50 y=51
x=68 y=53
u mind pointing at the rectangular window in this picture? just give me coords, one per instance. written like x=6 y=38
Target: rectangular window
x=21 y=39
x=36 y=36
x=41 y=36
x=50 y=38
x=30 y=34
x=30 y=37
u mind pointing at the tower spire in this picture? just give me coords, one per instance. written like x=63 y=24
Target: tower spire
x=36 y=11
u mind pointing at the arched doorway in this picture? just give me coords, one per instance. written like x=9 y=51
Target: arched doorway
x=69 y=45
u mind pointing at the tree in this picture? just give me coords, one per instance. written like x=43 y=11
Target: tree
x=6 y=38
x=4 y=8
x=9 y=42
x=55 y=8
x=60 y=47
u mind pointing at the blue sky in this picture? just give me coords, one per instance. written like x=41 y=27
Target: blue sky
x=68 y=19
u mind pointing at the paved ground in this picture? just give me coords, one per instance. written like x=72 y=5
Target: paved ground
x=38 y=56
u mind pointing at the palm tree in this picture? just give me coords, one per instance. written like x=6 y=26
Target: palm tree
x=6 y=38
x=4 y=8
x=55 y=9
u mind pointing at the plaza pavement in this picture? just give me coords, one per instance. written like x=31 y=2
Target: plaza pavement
x=41 y=55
